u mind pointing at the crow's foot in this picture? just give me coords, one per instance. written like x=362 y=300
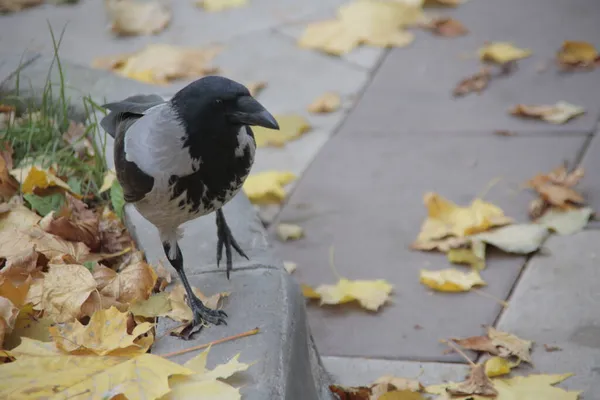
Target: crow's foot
x=205 y=314
x=226 y=239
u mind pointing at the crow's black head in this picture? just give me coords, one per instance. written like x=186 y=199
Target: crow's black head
x=215 y=105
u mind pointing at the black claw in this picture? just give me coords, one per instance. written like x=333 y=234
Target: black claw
x=203 y=313
x=226 y=239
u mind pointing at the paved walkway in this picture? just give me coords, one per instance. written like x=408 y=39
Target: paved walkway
x=361 y=189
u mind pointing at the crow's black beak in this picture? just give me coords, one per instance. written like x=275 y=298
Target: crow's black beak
x=248 y=111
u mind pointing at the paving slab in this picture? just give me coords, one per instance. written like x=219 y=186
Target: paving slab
x=87 y=34
x=557 y=303
x=284 y=363
x=10 y=63
x=351 y=371
x=414 y=84
x=363 y=195
x=590 y=184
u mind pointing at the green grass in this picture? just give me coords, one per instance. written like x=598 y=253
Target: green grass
x=41 y=138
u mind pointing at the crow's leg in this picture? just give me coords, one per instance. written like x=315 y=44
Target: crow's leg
x=201 y=312
x=225 y=238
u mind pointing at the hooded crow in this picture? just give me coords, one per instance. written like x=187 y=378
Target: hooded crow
x=180 y=159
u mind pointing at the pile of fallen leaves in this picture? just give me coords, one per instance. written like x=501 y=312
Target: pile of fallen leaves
x=490 y=378
x=463 y=233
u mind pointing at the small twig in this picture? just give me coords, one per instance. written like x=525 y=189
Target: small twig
x=459 y=351
x=203 y=346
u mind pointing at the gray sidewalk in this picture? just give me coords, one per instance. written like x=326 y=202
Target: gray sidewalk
x=399 y=135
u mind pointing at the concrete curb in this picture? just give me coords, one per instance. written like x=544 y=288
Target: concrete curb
x=263 y=295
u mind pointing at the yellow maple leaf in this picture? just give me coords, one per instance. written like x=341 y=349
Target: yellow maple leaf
x=42 y=179
x=558 y=113
x=451 y=280
x=8 y=317
x=376 y=23
x=267 y=187
x=16 y=293
x=220 y=5
x=133 y=17
x=535 y=386
x=180 y=310
x=64 y=290
x=30 y=325
x=445 y=218
x=370 y=294
x=98 y=377
x=289 y=232
x=105 y=335
x=157 y=305
x=291 y=126
x=502 y=52
x=497 y=366
x=18 y=216
x=204 y=384
x=473 y=256
x=162 y=63
x=326 y=103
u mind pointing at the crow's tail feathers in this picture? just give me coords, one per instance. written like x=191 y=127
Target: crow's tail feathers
x=137 y=104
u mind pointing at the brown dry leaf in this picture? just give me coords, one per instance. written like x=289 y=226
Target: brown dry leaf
x=76 y=137
x=559 y=113
x=134 y=282
x=75 y=223
x=511 y=345
x=64 y=290
x=578 y=55
x=114 y=237
x=446 y=27
x=30 y=325
x=106 y=334
x=8 y=6
x=291 y=126
x=132 y=17
x=477 y=383
x=400 y=383
x=164 y=278
x=163 y=63
x=8 y=184
x=220 y=5
x=16 y=293
x=476 y=83
x=477 y=343
x=551 y=349
x=256 y=87
x=19 y=265
x=8 y=318
x=180 y=310
x=376 y=23
x=351 y=393
x=326 y=103
x=6 y=151
x=53 y=246
x=556 y=188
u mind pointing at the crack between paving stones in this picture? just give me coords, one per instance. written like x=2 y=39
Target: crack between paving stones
x=404 y=360
x=245 y=268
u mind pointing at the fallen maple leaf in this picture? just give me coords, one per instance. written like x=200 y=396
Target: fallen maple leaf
x=473 y=256
x=114 y=237
x=8 y=184
x=476 y=83
x=517 y=239
x=448 y=219
x=157 y=305
x=220 y=5
x=289 y=232
x=134 y=282
x=291 y=127
x=446 y=27
x=290 y=266
x=75 y=223
x=556 y=188
x=477 y=343
x=477 y=383
x=162 y=63
x=105 y=335
x=15 y=292
x=109 y=178
x=67 y=376
x=566 y=222
x=375 y=23
x=39 y=178
x=398 y=383
x=205 y=382
x=558 y=113
x=267 y=187
x=577 y=55
x=370 y=294
x=326 y=103
x=8 y=6
x=502 y=52
x=8 y=317
x=164 y=278
x=132 y=17
x=451 y=280
x=53 y=246
x=511 y=345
